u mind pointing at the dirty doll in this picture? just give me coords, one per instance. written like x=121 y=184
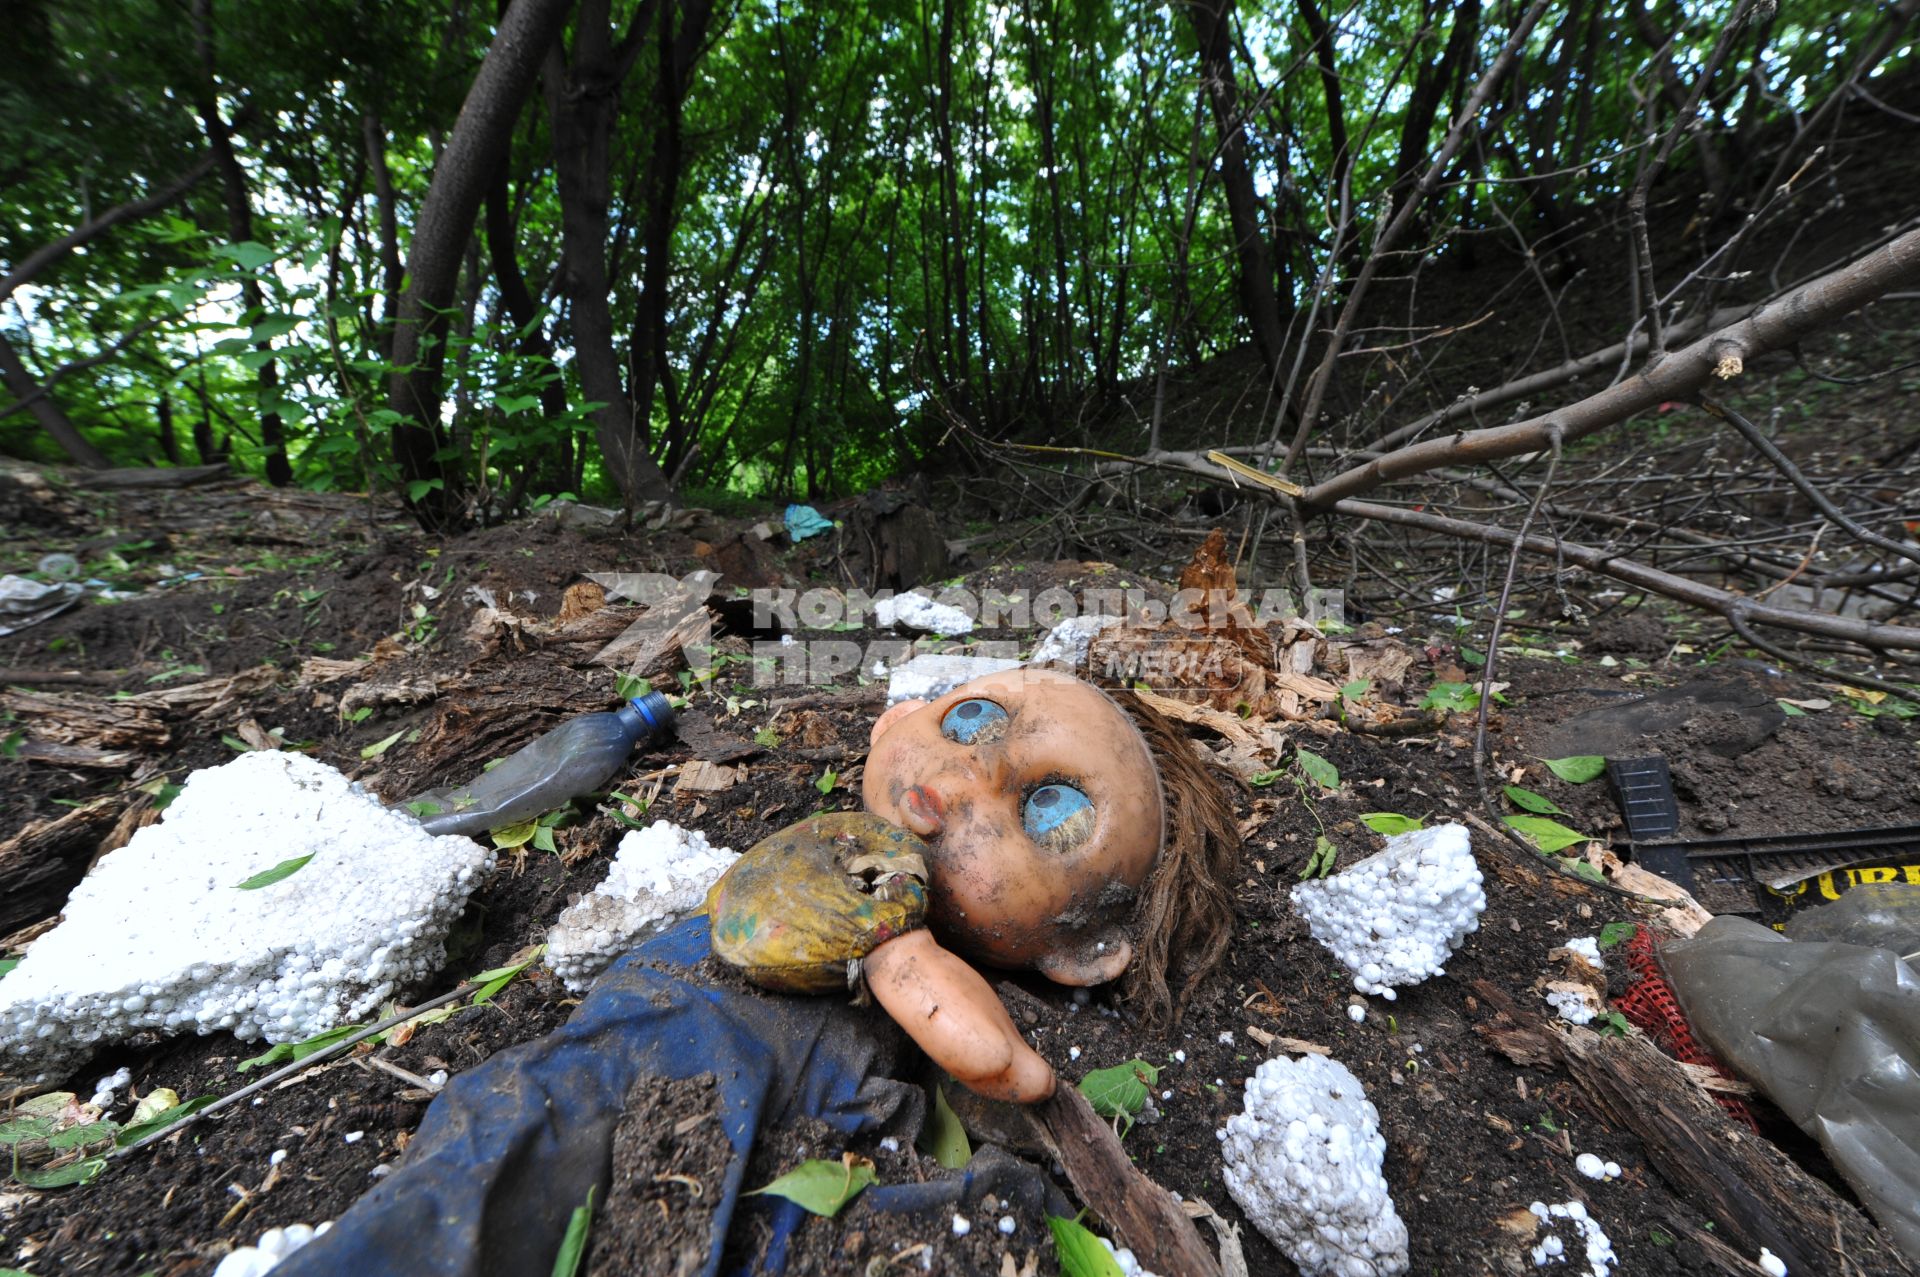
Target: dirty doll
x=1062 y=832
x=1060 y=829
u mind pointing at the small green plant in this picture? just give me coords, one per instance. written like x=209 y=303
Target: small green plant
x=1320 y=863
x=1451 y=698
x=823 y=1187
x=1390 y=822
x=1120 y=1092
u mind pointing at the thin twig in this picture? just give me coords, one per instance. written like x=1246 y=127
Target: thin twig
x=318 y=1057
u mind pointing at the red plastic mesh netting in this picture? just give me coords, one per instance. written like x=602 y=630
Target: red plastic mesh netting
x=1649 y=1003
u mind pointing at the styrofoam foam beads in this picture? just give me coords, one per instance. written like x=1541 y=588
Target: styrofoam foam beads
x=1396 y=917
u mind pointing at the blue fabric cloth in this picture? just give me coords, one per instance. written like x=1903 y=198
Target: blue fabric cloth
x=511 y=1147
x=804 y=521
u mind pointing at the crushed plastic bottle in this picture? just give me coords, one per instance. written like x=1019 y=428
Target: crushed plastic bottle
x=575 y=758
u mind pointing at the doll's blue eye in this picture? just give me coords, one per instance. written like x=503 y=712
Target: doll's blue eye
x=965 y=721
x=1052 y=806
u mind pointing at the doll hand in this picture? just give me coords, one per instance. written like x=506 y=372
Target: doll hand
x=950 y=1010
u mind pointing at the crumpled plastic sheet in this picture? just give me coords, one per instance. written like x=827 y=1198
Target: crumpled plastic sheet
x=1880 y=915
x=511 y=1147
x=804 y=521
x=24 y=602
x=1831 y=1033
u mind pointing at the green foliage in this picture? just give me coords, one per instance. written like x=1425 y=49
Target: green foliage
x=267 y=877
x=1321 y=862
x=1452 y=698
x=1527 y=800
x=1547 y=835
x=1318 y=770
x=1082 y=1254
x=573 y=1244
x=1390 y=822
x=822 y=1187
x=1120 y=1091
x=945 y=1138
x=1577 y=770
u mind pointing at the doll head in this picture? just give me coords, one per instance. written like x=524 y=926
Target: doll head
x=1067 y=834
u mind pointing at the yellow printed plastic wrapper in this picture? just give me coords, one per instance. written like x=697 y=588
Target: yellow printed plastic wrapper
x=803 y=903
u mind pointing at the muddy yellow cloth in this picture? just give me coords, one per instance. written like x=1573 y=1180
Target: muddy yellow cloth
x=803 y=903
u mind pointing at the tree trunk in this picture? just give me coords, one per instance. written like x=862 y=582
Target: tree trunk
x=393 y=273
x=46 y=410
x=647 y=348
x=441 y=229
x=1213 y=27
x=581 y=100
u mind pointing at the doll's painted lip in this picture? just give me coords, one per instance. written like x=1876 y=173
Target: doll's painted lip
x=925 y=813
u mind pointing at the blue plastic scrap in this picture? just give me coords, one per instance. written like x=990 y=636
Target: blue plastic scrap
x=804 y=521
x=511 y=1147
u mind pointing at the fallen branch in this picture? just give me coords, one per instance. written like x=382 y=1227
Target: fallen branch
x=1722 y=354
x=1724 y=602
x=1753 y=1191
x=1143 y=1216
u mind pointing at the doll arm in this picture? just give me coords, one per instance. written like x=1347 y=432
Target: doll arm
x=950 y=1010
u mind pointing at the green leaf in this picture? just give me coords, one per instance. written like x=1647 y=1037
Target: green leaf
x=1318 y=770
x=573 y=1246
x=417 y=488
x=267 y=877
x=1577 y=769
x=380 y=747
x=1390 y=822
x=820 y=1186
x=246 y=254
x=1588 y=870
x=826 y=782
x=766 y=738
x=162 y=1120
x=1320 y=863
x=1527 y=800
x=293 y=1052
x=1791 y=710
x=543 y=839
x=946 y=1139
x=1082 y=1254
x=491 y=982
x=1615 y=932
x=1547 y=835
x=1356 y=689
x=81 y=1172
x=1120 y=1091
x=1452 y=698
x=1260 y=780
x=6 y=965
x=508 y=837
x=1472 y=659
x=510 y=404
x=273 y=326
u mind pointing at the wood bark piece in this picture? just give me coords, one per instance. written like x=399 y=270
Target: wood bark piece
x=1142 y=1215
x=1754 y=1193
x=86 y=720
x=204 y=699
x=42 y=863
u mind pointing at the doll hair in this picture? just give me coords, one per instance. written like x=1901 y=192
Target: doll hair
x=1183 y=917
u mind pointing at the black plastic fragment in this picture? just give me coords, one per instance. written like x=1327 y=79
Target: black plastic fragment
x=1644 y=789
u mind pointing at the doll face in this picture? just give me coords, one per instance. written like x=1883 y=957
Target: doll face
x=1042 y=806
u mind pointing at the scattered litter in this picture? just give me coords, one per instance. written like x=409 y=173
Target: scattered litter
x=1579 y=995
x=1179 y=1057
x=1303 y=1160
x=918 y=612
x=1775 y=1266
x=1357 y=1013
x=1007 y=1225
x=659 y=875
x=1123 y=1260
x=1552 y=1249
x=354 y=1137
x=1067 y=643
x=1595 y=1167
x=160 y=937
x=103 y=1089
x=274 y=1245
x=278 y=1156
x=1396 y=917
x=930 y=675
x=962 y=1225
x=1589 y=948
x=25 y=602
x=1073 y=1053
x=804 y=521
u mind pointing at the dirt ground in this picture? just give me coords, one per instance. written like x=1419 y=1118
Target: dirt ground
x=1471 y=1137
x=231 y=578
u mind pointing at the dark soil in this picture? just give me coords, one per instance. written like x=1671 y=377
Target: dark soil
x=236 y=576
x=1470 y=1136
